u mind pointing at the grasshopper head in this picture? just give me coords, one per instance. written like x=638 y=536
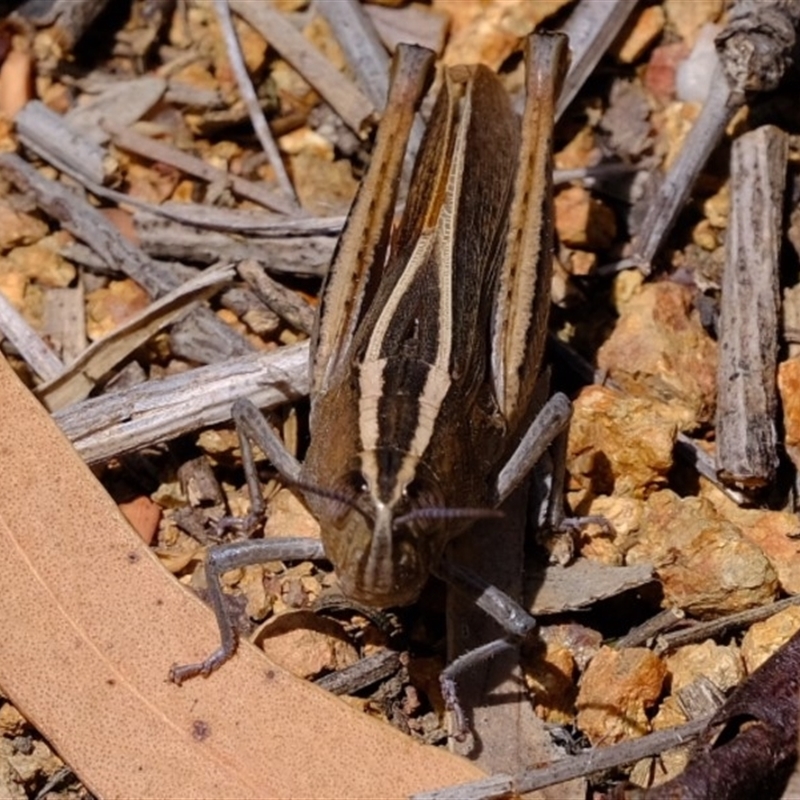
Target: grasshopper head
x=382 y=547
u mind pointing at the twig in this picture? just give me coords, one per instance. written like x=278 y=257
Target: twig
x=596 y=760
x=748 y=327
x=348 y=102
x=591 y=28
x=284 y=303
x=365 y=54
x=44 y=131
x=663 y=621
x=663 y=209
x=707 y=630
x=70 y=19
x=128 y=139
x=35 y=353
x=301 y=255
x=363 y=673
x=108 y=426
x=88 y=224
x=249 y=96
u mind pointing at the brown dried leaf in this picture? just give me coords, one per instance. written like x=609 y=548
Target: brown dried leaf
x=90 y=625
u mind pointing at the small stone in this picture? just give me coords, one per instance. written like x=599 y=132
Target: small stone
x=661 y=70
x=704 y=235
x=288 y=516
x=583 y=221
x=144 y=516
x=765 y=638
x=488 y=33
x=616 y=690
x=705 y=563
x=323 y=186
x=618 y=444
x=12 y=723
x=659 y=349
x=722 y=664
x=789 y=389
x=646 y=28
x=688 y=18
x=18 y=228
x=305 y=644
x=113 y=305
x=41 y=261
x=609 y=543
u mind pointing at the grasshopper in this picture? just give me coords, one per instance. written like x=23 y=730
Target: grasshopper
x=427 y=352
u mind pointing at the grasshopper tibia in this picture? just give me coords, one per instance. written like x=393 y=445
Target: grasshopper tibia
x=222 y=559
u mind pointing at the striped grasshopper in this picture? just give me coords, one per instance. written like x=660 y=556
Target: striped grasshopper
x=426 y=358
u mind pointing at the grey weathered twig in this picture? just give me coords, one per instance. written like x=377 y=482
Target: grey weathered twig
x=108 y=426
x=748 y=328
x=301 y=255
x=248 y=94
x=715 y=627
x=596 y=760
x=591 y=28
x=340 y=93
x=36 y=354
x=362 y=46
x=363 y=673
x=49 y=135
x=88 y=224
x=130 y=140
x=282 y=301
x=663 y=621
x=663 y=208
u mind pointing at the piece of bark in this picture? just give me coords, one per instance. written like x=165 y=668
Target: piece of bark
x=555 y=589
x=103 y=427
x=107 y=642
x=65 y=322
x=748 y=328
